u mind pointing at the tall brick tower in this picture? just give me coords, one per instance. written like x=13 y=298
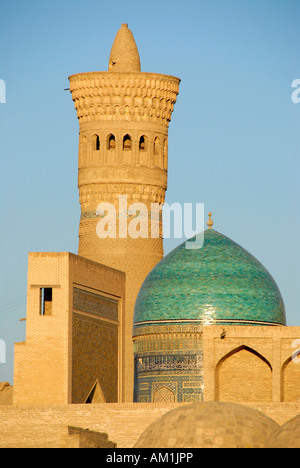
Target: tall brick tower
x=124 y=115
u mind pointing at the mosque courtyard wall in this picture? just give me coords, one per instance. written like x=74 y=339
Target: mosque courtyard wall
x=47 y=426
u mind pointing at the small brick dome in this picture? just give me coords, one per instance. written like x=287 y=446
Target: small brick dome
x=209 y=425
x=288 y=436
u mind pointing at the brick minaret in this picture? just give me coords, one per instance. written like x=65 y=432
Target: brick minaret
x=124 y=115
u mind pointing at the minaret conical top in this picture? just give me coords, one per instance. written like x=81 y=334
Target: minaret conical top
x=124 y=55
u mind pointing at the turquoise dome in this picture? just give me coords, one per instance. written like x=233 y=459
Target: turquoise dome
x=220 y=283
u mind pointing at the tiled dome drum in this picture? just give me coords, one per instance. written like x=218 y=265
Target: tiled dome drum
x=220 y=284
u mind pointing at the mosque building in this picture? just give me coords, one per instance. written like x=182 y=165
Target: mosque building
x=218 y=284
x=121 y=333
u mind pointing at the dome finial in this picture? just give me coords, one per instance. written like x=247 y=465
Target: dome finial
x=210 y=222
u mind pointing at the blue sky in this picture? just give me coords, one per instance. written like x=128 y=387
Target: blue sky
x=233 y=139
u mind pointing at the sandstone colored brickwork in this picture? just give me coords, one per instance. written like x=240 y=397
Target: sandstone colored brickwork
x=95 y=357
x=46 y=426
x=49 y=364
x=6 y=394
x=251 y=364
x=77 y=437
x=124 y=116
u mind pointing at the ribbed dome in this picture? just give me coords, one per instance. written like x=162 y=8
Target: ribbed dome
x=220 y=283
x=124 y=55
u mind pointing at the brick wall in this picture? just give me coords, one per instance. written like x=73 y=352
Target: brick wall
x=251 y=363
x=47 y=364
x=46 y=426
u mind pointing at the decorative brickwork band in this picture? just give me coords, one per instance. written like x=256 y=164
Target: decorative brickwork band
x=112 y=96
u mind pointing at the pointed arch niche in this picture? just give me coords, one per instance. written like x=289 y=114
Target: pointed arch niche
x=157 y=152
x=96 y=142
x=243 y=375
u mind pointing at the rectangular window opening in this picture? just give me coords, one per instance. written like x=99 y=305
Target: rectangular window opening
x=46 y=301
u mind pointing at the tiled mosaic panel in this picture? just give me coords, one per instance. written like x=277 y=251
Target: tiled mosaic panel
x=161 y=343
x=169 y=378
x=219 y=283
x=169 y=362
